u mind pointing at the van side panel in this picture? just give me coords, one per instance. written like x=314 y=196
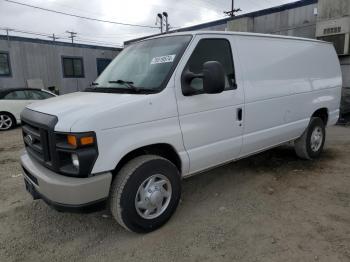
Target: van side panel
x=285 y=81
x=326 y=82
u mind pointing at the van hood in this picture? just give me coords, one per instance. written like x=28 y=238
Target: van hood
x=87 y=111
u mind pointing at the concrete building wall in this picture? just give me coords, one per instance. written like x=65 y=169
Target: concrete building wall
x=345 y=65
x=345 y=61
x=334 y=14
x=331 y=9
x=43 y=60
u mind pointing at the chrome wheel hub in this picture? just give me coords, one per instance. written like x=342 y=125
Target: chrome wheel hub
x=316 y=139
x=5 y=122
x=153 y=196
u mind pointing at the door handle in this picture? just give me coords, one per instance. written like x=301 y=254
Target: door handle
x=239 y=114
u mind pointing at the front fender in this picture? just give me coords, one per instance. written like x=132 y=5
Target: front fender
x=114 y=144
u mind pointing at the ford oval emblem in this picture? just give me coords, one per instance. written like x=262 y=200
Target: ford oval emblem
x=30 y=139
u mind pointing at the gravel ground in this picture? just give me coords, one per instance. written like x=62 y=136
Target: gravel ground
x=270 y=207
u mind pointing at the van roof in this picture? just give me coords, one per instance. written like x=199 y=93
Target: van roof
x=236 y=33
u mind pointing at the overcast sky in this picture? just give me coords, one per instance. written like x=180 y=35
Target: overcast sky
x=182 y=13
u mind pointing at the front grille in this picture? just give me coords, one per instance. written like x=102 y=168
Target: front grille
x=36 y=141
x=49 y=148
x=38 y=137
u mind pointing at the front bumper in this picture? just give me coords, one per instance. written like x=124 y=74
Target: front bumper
x=61 y=192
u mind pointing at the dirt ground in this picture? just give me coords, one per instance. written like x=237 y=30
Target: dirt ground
x=270 y=207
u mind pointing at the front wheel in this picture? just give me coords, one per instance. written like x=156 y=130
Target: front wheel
x=145 y=193
x=7 y=121
x=310 y=145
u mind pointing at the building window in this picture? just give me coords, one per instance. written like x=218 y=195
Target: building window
x=5 y=68
x=73 y=67
x=102 y=63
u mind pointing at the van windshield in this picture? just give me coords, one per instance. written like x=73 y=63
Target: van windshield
x=145 y=66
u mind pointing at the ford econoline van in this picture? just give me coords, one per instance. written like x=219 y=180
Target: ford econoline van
x=173 y=106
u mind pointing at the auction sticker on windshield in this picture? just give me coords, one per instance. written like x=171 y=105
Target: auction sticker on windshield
x=163 y=59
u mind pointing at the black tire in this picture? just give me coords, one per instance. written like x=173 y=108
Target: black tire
x=303 y=146
x=10 y=118
x=126 y=185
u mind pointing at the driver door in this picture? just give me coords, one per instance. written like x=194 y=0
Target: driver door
x=211 y=124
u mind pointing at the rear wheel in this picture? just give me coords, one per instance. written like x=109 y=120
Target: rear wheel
x=145 y=193
x=310 y=144
x=7 y=121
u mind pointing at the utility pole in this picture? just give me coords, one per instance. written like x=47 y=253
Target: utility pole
x=165 y=14
x=72 y=35
x=164 y=22
x=53 y=37
x=8 y=30
x=160 y=16
x=233 y=10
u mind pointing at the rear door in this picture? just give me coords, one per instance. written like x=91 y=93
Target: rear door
x=211 y=124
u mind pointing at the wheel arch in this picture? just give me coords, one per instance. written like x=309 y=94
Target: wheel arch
x=161 y=149
x=323 y=114
x=9 y=113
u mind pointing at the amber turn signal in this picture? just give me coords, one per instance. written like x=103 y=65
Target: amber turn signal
x=84 y=141
x=72 y=140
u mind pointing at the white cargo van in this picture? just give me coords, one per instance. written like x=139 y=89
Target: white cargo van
x=173 y=106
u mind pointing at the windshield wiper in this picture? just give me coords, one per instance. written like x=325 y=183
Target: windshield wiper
x=94 y=84
x=120 y=90
x=128 y=84
x=120 y=82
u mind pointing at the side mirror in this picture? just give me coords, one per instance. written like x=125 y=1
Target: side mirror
x=213 y=76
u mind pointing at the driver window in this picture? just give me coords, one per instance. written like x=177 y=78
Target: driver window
x=211 y=50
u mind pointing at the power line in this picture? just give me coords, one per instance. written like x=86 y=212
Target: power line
x=62 y=37
x=79 y=16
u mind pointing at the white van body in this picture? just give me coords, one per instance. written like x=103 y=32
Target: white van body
x=281 y=83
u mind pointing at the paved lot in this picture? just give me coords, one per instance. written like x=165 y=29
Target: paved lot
x=271 y=207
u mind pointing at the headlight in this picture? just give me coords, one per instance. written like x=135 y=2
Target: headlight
x=76 y=153
x=75 y=161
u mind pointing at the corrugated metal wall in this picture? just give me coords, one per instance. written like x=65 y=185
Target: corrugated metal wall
x=294 y=22
x=331 y=9
x=30 y=60
x=299 y=21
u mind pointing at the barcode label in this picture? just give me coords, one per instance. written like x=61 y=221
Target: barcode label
x=163 y=59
